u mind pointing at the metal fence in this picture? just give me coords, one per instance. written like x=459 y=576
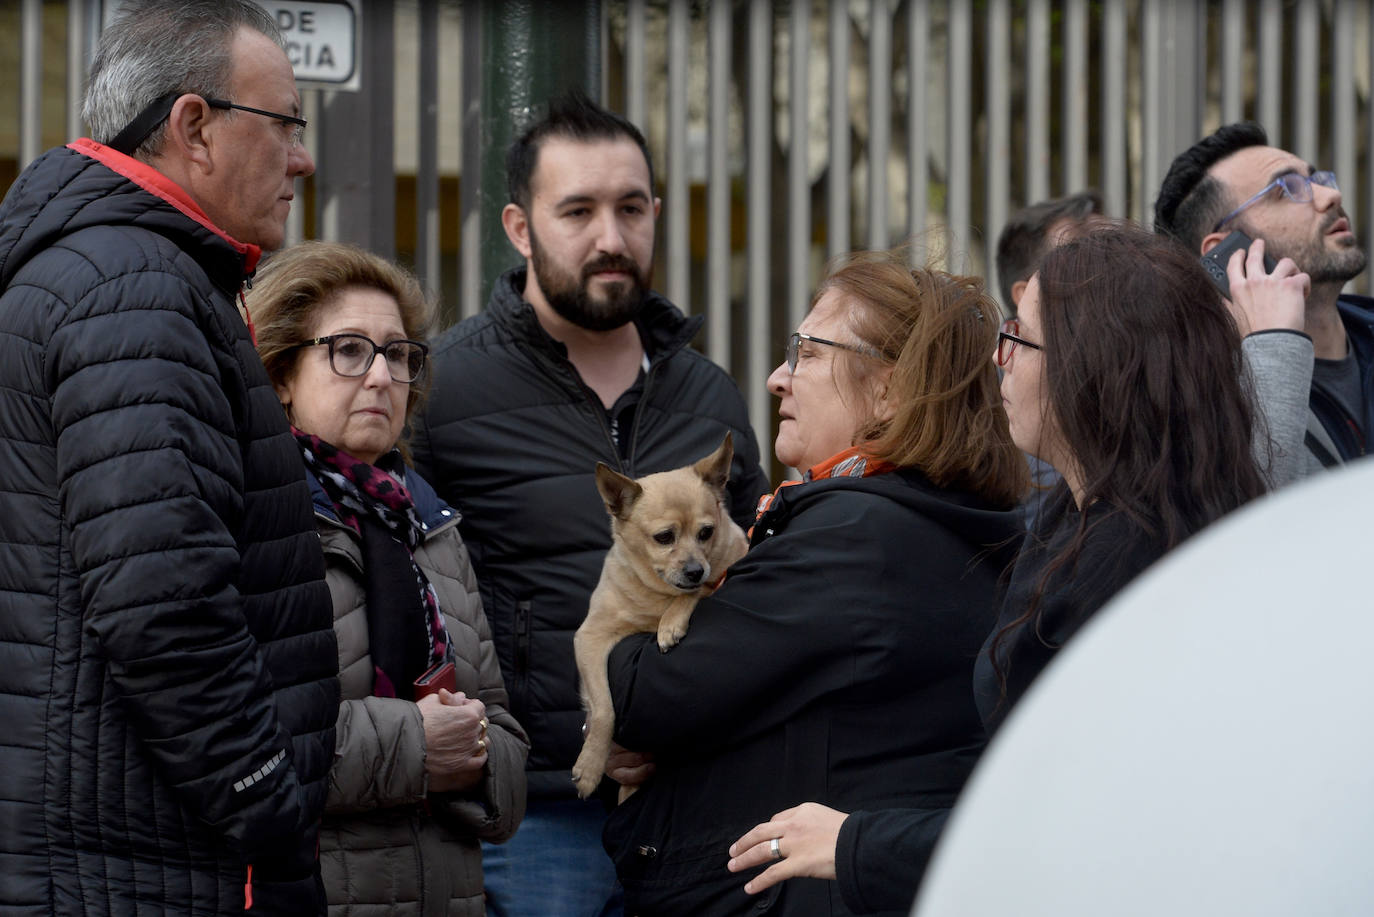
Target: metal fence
x=789 y=132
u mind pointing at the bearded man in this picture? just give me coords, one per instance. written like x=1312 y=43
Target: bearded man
x=575 y=361
x=1233 y=179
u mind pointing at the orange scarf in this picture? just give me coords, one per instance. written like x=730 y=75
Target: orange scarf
x=851 y=463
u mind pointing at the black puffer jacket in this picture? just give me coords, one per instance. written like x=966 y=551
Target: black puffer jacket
x=511 y=436
x=168 y=673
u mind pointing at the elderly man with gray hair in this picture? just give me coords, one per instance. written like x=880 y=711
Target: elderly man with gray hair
x=168 y=671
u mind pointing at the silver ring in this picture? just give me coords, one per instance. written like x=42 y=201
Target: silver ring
x=773 y=849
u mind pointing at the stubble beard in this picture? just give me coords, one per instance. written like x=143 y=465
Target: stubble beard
x=1323 y=264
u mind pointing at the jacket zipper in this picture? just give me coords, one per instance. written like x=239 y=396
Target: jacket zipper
x=598 y=411
x=420 y=862
x=247 y=316
x=522 y=646
x=625 y=466
x=639 y=409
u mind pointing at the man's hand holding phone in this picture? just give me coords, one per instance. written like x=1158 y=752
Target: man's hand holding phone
x=1261 y=294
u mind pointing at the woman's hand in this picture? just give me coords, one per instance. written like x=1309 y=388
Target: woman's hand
x=455 y=740
x=806 y=837
x=628 y=768
x=1265 y=301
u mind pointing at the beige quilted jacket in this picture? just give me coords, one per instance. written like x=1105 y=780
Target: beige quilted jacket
x=386 y=847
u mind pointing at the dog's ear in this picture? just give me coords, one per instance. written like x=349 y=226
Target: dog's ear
x=617 y=491
x=715 y=468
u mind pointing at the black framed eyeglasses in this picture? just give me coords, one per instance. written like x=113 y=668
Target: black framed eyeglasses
x=351 y=355
x=1294 y=185
x=300 y=123
x=137 y=130
x=1008 y=337
x=794 y=344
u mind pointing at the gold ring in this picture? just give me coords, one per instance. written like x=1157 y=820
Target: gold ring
x=482 y=744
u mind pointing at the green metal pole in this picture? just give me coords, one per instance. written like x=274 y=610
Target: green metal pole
x=531 y=51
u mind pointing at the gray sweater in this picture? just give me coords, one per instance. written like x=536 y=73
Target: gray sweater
x=1280 y=368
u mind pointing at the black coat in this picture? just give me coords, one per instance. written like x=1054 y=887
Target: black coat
x=167 y=660
x=1351 y=434
x=832 y=666
x=1116 y=551
x=511 y=436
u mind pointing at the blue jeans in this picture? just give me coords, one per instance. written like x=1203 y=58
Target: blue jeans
x=554 y=866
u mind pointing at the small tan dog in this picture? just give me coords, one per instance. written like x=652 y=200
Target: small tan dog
x=671 y=542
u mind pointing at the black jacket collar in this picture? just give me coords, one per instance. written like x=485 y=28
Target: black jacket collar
x=662 y=325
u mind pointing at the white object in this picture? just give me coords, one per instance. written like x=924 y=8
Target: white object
x=322 y=40
x=1205 y=746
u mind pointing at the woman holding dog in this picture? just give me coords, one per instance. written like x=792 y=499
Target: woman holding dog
x=833 y=664
x=418 y=778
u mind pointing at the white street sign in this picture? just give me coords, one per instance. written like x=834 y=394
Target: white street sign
x=322 y=40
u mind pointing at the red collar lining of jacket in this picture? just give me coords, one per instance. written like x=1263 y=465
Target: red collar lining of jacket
x=159 y=185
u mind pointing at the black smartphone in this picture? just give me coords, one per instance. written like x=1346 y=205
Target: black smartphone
x=1215 y=261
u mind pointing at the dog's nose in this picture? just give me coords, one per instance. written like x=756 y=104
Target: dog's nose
x=693 y=572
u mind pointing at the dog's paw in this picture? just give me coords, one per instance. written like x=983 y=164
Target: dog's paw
x=586 y=783
x=669 y=637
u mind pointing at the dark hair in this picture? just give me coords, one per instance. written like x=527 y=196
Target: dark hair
x=937 y=331
x=1190 y=201
x=296 y=283
x=1026 y=236
x=572 y=116
x=1147 y=388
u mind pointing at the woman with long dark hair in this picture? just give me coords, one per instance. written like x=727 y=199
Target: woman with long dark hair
x=1124 y=371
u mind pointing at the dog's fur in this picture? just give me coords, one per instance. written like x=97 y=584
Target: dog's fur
x=672 y=540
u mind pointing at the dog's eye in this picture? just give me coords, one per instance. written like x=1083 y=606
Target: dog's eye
x=664 y=537
x=706 y=532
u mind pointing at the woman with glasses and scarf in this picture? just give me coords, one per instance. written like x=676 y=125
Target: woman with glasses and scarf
x=1124 y=371
x=832 y=666
x=428 y=762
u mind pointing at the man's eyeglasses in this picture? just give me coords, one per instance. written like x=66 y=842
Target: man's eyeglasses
x=137 y=130
x=351 y=355
x=296 y=135
x=1294 y=185
x=794 y=342
x=1007 y=339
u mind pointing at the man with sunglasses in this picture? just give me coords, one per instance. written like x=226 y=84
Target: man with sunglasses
x=168 y=669
x=1234 y=180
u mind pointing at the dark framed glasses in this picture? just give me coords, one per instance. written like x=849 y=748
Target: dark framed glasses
x=1295 y=186
x=300 y=123
x=137 y=130
x=794 y=344
x=1008 y=337
x=351 y=355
